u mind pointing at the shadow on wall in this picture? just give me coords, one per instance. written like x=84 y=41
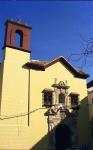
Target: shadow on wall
x=53 y=138
x=82 y=128
x=62 y=140
x=42 y=144
x=83 y=122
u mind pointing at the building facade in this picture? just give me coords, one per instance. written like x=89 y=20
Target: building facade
x=90 y=105
x=37 y=95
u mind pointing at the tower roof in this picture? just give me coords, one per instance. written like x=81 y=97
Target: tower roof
x=18 y=22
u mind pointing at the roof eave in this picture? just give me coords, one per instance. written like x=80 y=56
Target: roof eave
x=82 y=76
x=34 y=66
x=63 y=61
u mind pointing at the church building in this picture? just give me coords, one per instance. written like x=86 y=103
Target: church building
x=36 y=96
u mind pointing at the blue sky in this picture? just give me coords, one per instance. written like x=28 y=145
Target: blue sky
x=58 y=28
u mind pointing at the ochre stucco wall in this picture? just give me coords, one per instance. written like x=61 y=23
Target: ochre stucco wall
x=15 y=94
x=45 y=79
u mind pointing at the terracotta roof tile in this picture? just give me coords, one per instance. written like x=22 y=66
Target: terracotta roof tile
x=48 y=90
x=74 y=93
x=39 y=62
x=42 y=65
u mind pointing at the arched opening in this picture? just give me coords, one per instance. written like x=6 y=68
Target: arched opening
x=62 y=137
x=18 y=38
x=62 y=98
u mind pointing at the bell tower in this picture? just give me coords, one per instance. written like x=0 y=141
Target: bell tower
x=23 y=31
x=13 y=77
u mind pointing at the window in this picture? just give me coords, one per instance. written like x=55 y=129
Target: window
x=18 y=38
x=74 y=99
x=47 y=97
x=62 y=98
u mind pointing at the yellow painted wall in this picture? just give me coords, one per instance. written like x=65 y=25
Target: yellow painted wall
x=16 y=92
x=41 y=80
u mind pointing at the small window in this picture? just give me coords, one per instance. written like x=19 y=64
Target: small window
x=74 y=100
x=47 y=98
x=62 y=98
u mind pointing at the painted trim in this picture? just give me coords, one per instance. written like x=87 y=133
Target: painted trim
x=17 y=48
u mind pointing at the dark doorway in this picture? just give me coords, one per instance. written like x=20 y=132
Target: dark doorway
x=62 y=137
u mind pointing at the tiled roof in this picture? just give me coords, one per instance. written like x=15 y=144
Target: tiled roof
x=73 y=93
x=42 y=65
x=48 y=90
x=39 y=62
